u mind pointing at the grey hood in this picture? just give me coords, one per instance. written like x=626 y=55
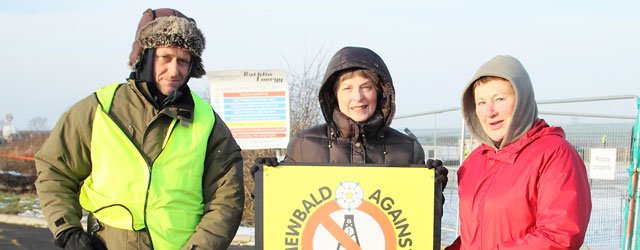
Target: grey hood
x=353 y=58
x=525 y=111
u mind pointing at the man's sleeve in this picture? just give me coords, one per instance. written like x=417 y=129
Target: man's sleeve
x=62 y=163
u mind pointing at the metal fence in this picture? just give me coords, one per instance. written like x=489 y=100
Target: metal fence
x=599 y=122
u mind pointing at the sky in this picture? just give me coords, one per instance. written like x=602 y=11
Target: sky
x=58 y=52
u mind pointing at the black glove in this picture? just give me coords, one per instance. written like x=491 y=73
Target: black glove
x=441 y=171
x=261 y=161
x=74 y=239
x=441 y=176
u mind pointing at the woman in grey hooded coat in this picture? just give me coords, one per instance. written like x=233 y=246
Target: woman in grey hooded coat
x=525 y=186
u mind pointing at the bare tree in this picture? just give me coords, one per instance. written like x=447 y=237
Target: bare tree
x=37 y=123
x=304 y=84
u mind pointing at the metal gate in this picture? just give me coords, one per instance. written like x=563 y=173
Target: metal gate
x=597 y=122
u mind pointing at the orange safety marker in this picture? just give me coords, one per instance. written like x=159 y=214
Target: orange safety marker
x=28 y=158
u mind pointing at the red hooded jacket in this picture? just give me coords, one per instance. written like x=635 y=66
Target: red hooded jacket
x=531 y=194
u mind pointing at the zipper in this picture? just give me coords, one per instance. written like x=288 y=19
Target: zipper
x=149 y=166
x=364 y=141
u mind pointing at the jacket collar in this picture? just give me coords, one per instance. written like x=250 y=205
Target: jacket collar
x=180 y=108
x=350 y=130
x=510 y=152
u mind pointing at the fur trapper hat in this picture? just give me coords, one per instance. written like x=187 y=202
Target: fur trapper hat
x=168 y=28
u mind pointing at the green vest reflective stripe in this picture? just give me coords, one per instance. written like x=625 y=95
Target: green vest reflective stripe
x=124 y=191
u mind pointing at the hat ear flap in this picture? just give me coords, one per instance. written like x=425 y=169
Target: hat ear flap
x=145 y=72
x=197 y=68
x=136 y=48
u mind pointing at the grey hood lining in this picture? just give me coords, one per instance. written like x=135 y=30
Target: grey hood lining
x=525 y=110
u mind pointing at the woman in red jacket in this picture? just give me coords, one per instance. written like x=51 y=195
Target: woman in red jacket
x=525 y=187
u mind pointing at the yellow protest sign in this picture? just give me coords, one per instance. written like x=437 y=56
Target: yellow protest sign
x=346 y=207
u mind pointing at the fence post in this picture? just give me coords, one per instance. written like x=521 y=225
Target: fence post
x=462 y=157
x=631 y=233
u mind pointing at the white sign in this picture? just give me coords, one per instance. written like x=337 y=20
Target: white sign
x=603 y=163
x=254 y=104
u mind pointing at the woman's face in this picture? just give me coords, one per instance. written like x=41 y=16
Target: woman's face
x=357 y=97
x=495 y=101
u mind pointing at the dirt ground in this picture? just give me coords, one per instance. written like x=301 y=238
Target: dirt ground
x=20 y=237
x=17 y=171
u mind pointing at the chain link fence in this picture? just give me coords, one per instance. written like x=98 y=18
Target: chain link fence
x=599 y=122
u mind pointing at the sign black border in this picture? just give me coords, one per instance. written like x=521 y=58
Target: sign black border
x=259 y=199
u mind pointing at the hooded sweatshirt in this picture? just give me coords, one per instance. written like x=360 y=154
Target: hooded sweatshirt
x=529 y=192
x=525 y=110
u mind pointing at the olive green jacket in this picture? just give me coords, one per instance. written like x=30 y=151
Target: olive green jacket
x=64 y=162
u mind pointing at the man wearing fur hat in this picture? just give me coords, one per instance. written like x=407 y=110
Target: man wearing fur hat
x=152 y=162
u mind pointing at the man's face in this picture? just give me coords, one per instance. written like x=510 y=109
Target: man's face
x=171 y=68
x=357 y=97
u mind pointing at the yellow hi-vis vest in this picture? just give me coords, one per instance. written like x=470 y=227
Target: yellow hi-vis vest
x=126 y=192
